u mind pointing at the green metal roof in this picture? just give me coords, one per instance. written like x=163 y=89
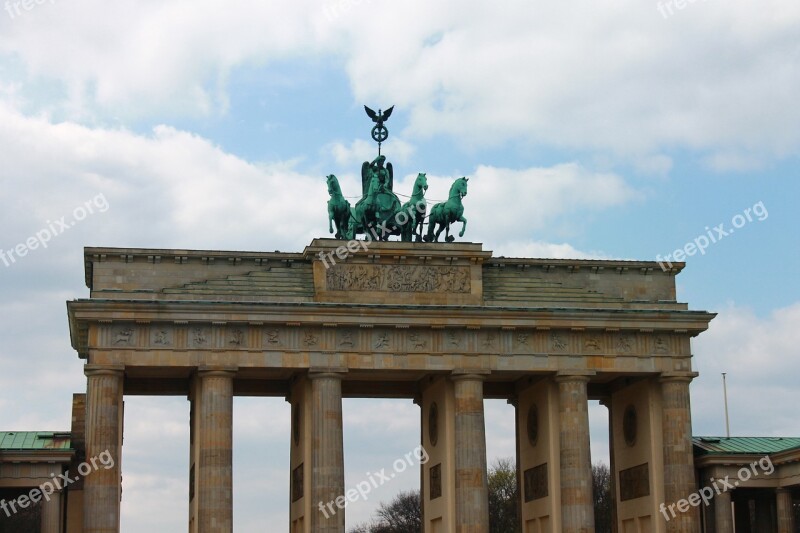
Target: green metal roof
x=744 y=445
x=34 y=440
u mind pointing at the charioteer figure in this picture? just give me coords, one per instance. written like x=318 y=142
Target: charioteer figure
x=379 y=213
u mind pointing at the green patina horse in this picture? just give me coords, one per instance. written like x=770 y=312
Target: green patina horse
x=415 y=210
x=446 y=213
x=374 y=214
x=338 y=210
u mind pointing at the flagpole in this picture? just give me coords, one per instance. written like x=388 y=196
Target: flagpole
x=725 y=393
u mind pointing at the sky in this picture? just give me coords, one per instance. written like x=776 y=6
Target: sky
x=623 y=129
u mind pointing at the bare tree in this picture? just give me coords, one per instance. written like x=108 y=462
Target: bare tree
x=601 y=485
x=503 y=494
x=404 y=513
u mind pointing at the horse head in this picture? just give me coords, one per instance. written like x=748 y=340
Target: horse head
x=420 y=184
x=459 y=188
x=333 y=185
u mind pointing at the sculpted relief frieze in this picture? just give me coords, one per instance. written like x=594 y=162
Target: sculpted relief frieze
x=390 y=339
x=398 y=278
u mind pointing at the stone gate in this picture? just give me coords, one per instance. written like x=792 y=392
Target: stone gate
x=444 y=325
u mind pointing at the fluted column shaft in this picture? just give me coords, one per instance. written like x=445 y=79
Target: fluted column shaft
x=472 y=494
x=215 y=456
x=723 y=514
x=102 y=488
x=785 y=511
x=577 y=505
x=51 y=513
x=679 y=476
x=327 y=469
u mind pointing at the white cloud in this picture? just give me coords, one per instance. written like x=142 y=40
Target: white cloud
x=733 y=162
x=512 y=205
x=161 y=55
x=585 y=75
x=654 y=165
x=359 y=150
x=545 y=250
x=191 y=193
x=761 y=356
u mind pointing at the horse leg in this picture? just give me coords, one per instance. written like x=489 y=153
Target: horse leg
x=419 y=222
x=464 y=226
x=331 y=216
x=341 y=226
x=448 y=237
x=431 y=225
x=442 y=226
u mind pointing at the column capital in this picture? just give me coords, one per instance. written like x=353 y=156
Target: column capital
x=574 y=375
x=217 y=371
x=475 y=374
x=677 y=377
x=327 y=372
x=103 y=370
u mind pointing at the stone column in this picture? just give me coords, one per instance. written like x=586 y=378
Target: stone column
x=723 y=513
x=215 y=451
x=679 y=477
x=577 y=504
x=102 y=488
x=52 y=514
x=472 y=489
x=785 y=511
x=327 y=453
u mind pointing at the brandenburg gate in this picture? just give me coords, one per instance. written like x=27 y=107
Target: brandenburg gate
x=445 y=325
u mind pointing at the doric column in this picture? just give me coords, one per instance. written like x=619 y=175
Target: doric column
x=102 y=489
x=51 y=513
x=785 y=511
x=679 y=477
x=327 y=453
x=577 y=505
x=215 y=451
x=472 y=493
x=723 y=513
